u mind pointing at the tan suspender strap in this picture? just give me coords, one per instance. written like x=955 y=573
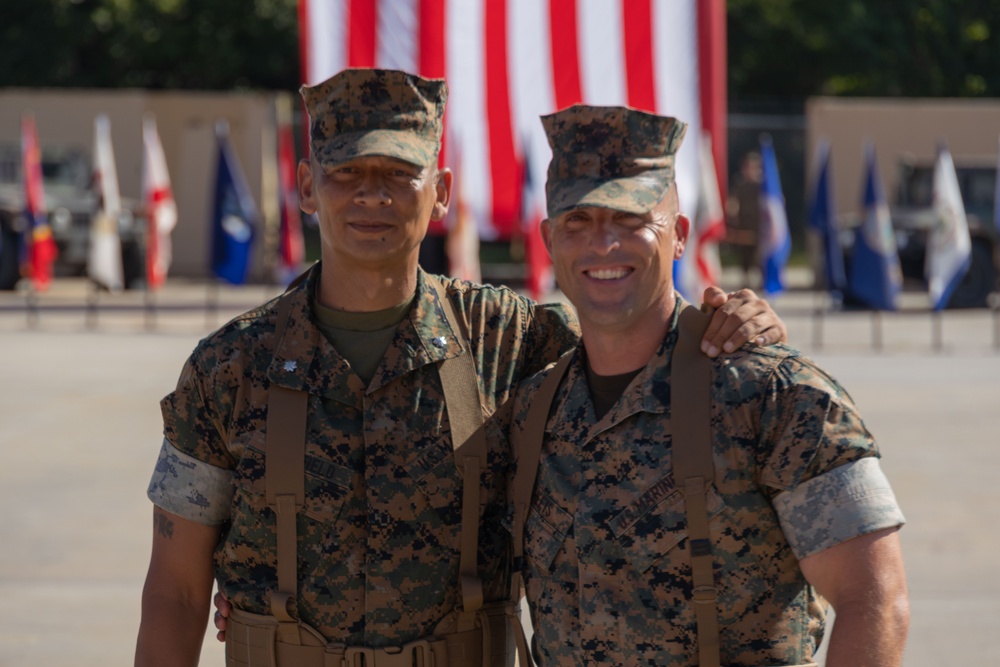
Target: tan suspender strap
x=468 y=439
x=284 y=477
x=690 y=416
x=529 y=453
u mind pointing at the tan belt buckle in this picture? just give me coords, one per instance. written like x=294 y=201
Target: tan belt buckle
x=414 y=654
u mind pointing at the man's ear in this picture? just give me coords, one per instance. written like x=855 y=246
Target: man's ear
x=307 y=200
x=546 y=229
x=681 y=230
x=445 y=180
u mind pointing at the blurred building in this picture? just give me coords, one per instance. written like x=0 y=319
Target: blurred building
x=186 y=123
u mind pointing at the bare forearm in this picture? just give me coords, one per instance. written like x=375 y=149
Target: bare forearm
x=869 y=635
x=171 y=631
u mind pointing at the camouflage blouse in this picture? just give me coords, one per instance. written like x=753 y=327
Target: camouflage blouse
x=607 y=569
x=378 y=546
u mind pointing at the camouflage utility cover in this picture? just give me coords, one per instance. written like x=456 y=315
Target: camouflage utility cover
x=610 y=157
x=607 y=570
x=361 y=112
x=378 y=548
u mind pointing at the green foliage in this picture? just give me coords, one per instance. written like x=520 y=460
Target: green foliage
x=914 y=48
x=186 y=44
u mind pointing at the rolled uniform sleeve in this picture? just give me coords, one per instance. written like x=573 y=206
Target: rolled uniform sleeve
x=821 y=462
x=193 y=477
x=846 y=502
x=190 y=488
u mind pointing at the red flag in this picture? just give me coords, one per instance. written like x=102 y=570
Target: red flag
x=41 y=247
x=291 y=247
x=158 y=202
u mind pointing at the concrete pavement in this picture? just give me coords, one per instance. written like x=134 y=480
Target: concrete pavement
x=80 y=429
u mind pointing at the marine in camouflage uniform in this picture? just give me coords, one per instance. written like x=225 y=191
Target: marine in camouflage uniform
x=378 y=537
x=379 y=533
x=607 y=563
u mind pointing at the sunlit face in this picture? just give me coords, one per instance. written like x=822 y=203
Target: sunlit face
x=373 y=211
x=617 y=267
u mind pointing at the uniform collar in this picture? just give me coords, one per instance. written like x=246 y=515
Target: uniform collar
x=423 y=337
x=305 y=360
x=649 y=391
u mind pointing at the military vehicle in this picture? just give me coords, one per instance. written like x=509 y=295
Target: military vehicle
x=70 y=204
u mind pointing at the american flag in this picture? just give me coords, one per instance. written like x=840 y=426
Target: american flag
x=508 y=62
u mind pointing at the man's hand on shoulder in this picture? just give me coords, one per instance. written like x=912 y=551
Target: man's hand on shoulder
x=740 y=317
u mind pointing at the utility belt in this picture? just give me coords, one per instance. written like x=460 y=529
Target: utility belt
x=256 y=640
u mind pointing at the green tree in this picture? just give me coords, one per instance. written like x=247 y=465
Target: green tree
x=797 y=48
x=187 y=44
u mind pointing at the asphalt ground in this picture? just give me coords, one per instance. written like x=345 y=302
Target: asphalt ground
x=80 y=430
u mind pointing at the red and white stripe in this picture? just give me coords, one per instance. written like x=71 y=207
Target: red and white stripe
x=510 y=61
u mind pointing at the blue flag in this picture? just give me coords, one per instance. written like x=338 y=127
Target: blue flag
x=234 y=217
x=823 y=219
x=875 y=278
x=775 y=242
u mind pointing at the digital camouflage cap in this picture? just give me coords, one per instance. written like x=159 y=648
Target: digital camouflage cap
x=361 y=112
x=610 y=157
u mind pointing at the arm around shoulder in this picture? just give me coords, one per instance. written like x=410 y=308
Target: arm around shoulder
x=176 y=595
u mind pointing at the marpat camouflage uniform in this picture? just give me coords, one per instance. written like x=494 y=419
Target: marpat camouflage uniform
x=378 y=539
x=607 y=568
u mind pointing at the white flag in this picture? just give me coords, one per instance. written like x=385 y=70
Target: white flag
x=104 y=262
x=949 y=246
x=158 y=202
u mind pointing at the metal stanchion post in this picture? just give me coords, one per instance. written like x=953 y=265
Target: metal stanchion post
x=32 y=307
x=150 y=310
x=818 y=323
x=937 y=342
x=211 y=304
x=996 y=327
x=92 y=310
x=877 y=330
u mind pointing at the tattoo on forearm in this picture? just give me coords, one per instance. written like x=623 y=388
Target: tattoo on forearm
x=164 y=526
